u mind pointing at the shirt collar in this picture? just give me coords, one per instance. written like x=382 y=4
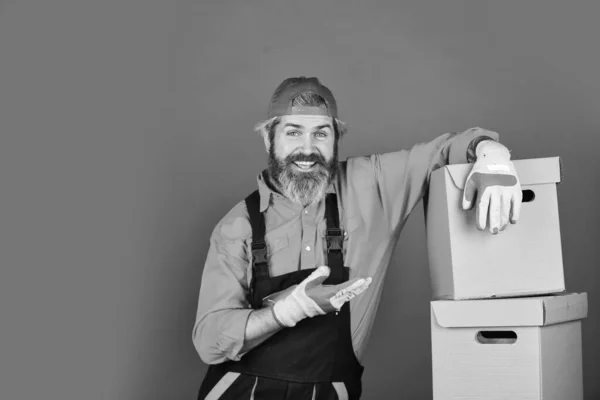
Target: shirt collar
x=266 y=192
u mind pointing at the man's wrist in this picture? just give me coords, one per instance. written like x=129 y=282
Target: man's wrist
x=492 y=149
x=472 y=148
x=275 y=318
x=287 y=312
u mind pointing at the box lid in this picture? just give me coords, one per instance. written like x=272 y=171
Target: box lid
x=521 y=311
x=533 y=171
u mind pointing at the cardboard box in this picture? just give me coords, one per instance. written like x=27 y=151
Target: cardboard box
x=524 y=259
x=518 y=348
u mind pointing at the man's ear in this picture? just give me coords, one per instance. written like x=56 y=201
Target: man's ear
x=342 y=128
x=263 y=128
x=265 y=135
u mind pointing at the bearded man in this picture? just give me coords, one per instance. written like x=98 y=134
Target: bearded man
x=274 y=319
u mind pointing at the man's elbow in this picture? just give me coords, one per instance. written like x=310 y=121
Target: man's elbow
x=210 y=358
x=209 y=353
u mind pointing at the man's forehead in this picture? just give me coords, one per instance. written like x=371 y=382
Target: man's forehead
x=307 y=121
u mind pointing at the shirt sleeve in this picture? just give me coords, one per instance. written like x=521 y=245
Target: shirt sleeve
x=403 y=176
x=223 y=308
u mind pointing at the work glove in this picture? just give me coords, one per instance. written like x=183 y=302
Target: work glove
x=311 y=298
x=494 y=181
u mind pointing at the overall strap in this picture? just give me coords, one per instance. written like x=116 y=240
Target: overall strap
x=260 y=268
x=334 y=238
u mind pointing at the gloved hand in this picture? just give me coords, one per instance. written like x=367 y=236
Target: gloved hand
x=495 y=182
x=310 y=298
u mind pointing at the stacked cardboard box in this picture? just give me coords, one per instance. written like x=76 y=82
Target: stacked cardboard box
x=502 y=324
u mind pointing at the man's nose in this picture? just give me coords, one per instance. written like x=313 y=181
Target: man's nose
x=307 y=144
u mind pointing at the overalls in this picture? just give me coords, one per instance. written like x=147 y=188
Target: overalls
x=312 y=360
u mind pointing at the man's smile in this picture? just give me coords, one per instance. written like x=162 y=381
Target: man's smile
x=304 y=165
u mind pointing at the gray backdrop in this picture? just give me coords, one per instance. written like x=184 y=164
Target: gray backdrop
x=126 y=134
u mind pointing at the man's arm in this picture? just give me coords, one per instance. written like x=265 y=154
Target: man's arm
x=402 y=177
x=223 y=311
x=261 y=325
x=225 y=327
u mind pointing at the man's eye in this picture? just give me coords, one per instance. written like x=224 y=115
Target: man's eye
x=321 y=134
x=293 y=133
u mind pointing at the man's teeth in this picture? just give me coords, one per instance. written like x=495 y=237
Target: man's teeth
x=304 y=164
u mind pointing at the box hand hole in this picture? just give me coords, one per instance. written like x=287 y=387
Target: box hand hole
x=496 y=337
x=528 y=196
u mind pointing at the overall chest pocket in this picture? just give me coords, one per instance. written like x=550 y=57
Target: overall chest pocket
x=276 y=243
x=279 y=256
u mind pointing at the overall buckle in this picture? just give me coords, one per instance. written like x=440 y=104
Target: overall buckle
x=334 y=239
x=259 y=252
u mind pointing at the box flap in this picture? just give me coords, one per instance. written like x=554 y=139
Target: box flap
x=522 y=311
x=533 y=171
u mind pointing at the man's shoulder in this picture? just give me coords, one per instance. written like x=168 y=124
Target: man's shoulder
x=358 y=168
x=235 y=225
x=359 y=162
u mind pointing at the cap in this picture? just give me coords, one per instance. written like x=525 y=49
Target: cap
x=281 y=101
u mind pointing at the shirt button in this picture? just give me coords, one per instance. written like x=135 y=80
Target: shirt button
x=305 y=211
x=307 y=248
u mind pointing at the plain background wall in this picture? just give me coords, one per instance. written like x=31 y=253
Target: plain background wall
x=126 y=134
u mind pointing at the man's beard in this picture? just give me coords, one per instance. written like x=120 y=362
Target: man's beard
x=303 y=187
